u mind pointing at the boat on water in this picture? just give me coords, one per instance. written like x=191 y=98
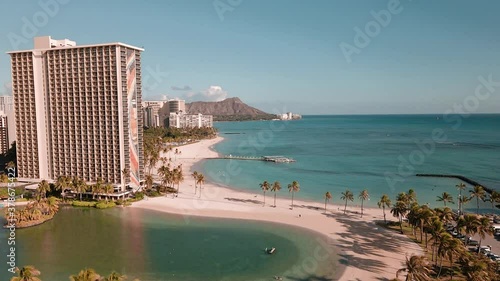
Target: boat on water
x=270 y=251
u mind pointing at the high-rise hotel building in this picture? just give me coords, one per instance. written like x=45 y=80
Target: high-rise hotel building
x=78 y=111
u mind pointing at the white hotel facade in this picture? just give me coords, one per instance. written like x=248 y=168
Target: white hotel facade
x=78 y=111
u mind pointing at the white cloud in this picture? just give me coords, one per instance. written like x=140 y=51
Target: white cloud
x=213 y=93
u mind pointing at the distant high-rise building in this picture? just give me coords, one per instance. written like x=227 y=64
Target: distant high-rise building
x=181 y=120
x=79 y=111
x=7 y=109
x=4 y=133
x=151 y=113
x=6 y=102
x=176 y=105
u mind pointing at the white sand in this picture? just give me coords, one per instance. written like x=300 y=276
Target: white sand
x=368 y=251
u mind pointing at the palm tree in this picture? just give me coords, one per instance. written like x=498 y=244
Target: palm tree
x=347 y=196
x=79 y=185
x=275 y=188
x=476 y=268
x=166 y=175
x=445 y=215
x=445 y=197
x=494 y=198
x=108 y=189
x=461 y=186
x=63 y=183
x=126 y=175
x=293 y=187
x=149 y=181
x=200 y=181
x=43 y=188
x=462 y=201
x=417 y=268
x=96 y=188
x=178 y=177
x=265 y=187
x=385 y=201
x=195 y=177
x=435 y=228
x=114 y=276
x=363 y=196
x=399 y=210
x=52 y=205
x=27 y=273
x=408 y=198
x=425 y=216
x=479 y=193
x=87 y=274
x=468 y=223
x=328 y=196
x=483 y=228
x=448 y=247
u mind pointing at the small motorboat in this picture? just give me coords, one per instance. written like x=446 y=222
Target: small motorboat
x=278 y=278
x=270 y=251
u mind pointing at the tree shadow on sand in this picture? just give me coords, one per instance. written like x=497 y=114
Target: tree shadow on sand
x=244 y=200
x=310 y=278
x=371 y=265
x=309 y=207
x=362 y=243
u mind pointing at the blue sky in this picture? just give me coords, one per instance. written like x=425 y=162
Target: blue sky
x=285 y=54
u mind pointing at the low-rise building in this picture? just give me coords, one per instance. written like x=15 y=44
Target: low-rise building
x=289 y=116
x=181 y=120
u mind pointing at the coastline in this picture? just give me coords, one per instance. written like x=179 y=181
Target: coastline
x=365 y=250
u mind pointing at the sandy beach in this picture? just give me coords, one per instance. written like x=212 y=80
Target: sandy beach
x=365 y=251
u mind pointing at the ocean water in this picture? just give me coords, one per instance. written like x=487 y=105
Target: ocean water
x=155 y=246
x=379 y=153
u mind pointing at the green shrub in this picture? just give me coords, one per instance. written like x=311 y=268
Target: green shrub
x=83 y=204
x=104 y=205
x=139 y=195
x=153 y=193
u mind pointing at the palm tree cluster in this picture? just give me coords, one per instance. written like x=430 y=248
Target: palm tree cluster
x=179 y=134
x=33 y=213
x=78 y=185
x=170 y=177
x=437 y=228
x=30 y=273
x=275 y=187
x=476 y=192
x=347 y=196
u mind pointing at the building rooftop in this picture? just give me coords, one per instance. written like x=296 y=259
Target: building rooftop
x=50 y=44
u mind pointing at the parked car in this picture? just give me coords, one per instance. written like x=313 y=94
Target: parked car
x=485 y=250
x=472 y=242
